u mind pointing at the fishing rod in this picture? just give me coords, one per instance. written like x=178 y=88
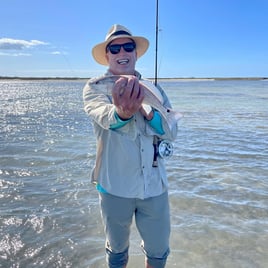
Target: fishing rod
x=155 y=142
x=156 y=43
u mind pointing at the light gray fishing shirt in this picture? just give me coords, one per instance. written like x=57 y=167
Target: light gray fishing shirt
x=124 y=155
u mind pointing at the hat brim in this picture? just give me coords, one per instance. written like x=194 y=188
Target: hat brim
x=99 y=51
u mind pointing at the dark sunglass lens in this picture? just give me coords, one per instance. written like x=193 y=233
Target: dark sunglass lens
x=129 y=47
x=114 y=49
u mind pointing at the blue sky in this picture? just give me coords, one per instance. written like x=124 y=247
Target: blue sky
x=197 y=38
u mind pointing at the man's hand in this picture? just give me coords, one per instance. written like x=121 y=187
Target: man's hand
x=127 y=96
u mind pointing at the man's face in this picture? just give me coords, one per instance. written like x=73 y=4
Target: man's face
x=122 y=62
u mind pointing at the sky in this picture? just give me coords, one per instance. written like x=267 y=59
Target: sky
x=196 y=38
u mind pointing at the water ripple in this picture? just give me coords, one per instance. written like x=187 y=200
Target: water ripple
x=218 y=177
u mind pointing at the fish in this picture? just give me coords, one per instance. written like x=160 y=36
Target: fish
x=152 y=96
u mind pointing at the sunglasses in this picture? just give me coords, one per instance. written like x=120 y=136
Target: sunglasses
x=115 y=48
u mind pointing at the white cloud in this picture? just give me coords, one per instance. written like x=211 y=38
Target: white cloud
x=17 y=44
x=59 y=53
x=56 y=53
x=15 y=54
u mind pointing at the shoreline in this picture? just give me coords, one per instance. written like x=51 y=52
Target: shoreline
x=150 y=78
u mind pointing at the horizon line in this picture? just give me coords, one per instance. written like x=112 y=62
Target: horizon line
x=150 y=78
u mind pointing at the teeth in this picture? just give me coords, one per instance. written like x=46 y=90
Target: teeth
x=123 y=61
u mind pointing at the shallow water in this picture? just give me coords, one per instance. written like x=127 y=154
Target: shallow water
x=218 y=177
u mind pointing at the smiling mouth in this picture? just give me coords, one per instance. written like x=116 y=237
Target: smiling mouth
x=123 y=61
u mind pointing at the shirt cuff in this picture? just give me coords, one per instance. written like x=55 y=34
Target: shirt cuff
x=156 y=123
x=100 y=189
x=120 y=122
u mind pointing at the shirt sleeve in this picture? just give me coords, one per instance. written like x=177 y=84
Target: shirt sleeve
x=169 y=134
x=156 y=123
x=119 y=122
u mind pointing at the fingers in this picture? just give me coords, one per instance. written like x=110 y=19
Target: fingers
x=119 y=87
x=128 y=89
x=127 y=94
x=133 y=91
x=137 y=92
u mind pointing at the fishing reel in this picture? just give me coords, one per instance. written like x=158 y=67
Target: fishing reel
x=162 y=148
x=165 y=148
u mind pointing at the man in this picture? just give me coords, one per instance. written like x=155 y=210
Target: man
x=128 y=182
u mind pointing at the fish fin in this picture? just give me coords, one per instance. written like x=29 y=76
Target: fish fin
x=147 y=108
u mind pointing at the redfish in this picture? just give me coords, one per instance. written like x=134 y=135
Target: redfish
x=152 y=96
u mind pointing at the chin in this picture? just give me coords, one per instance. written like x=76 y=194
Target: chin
x=127 y=71
x=123 y=72
x=122 y=69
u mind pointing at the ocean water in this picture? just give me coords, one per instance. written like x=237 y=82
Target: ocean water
x=49 y=212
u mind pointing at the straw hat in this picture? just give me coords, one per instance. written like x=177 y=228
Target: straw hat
x=118 y=31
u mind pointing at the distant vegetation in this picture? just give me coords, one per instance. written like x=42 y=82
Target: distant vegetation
x=162 y=78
